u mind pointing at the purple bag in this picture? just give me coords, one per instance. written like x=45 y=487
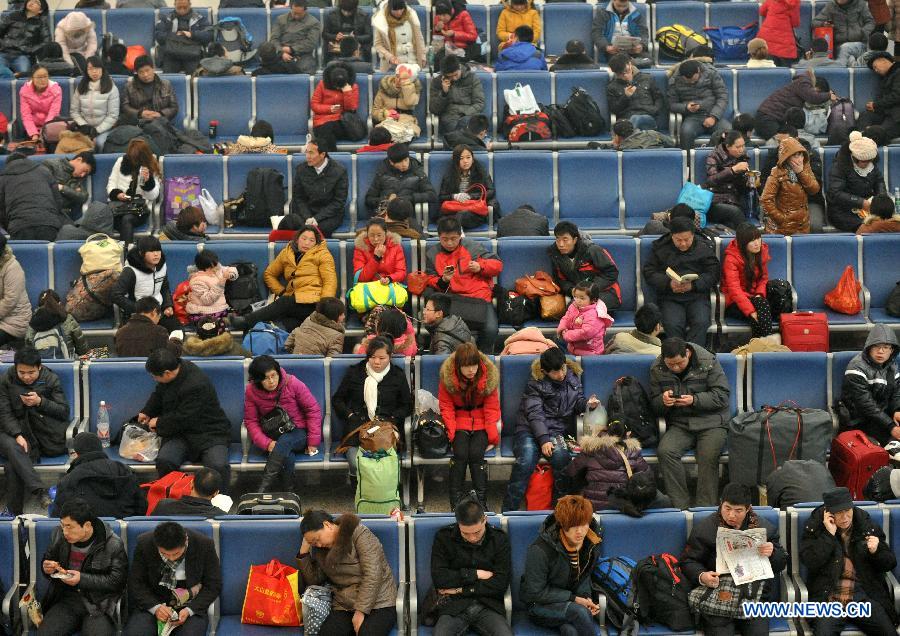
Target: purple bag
x=842 y=114
x=181 y=192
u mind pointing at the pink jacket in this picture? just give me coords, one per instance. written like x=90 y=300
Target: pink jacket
x=36 y=109
x=585 y=328
x=207 y=294
x=296 y=399
x=526 y=341
x=405 y=345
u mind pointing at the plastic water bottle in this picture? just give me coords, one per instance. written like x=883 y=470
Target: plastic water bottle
x=896 y=200
x=103 y=424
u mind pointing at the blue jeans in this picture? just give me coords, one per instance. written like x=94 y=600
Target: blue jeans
x=692 y=127
x=528 y=453
x=289 y=445
x=571 y=618
x=643 y=122
x=17 y=63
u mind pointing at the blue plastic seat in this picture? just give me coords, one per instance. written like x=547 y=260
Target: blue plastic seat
x=96 y=15
x=525 y=177
x=522 y=531
x=541 y=84
x=642 y=197
x=688 y=13
x=291 y=125
x=733 y=14
x=423 y=141
x=563 y=22
x=437 y=164
x=34 y=257
x=210 y=169
x=231 y=252
x=255 y=20
x=755 y=84
x=589 y=188
x=228 y=100
x=9 y=567
x=310 y=371
x=777 y=377
x=866 y=85
x=880 y=256
x=237 y=167
x=817 y=264
x=838 y=78
x=515 y=372
x=133 y=26
x=66 y=270
x=521 y=256
x=179 y=256
x=365 y=102
x=777 y=269
x=65 y=83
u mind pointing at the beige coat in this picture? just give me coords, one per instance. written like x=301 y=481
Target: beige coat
x=389 y=97
x=355 y=566
x=317 y=336
x=382 y=38
x=15 y=309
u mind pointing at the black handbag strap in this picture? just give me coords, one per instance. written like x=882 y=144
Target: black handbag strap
x=765 y=432
x=90 y=292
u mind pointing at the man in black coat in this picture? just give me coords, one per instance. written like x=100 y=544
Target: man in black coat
x=471 y=564
x=399 y=176
x=698 y=561
x=575 y=58
x=174 y=573
x=30 y=201
x=109 y=487
x=684 y=305
x=320 y=189
x=846 y=557
x=885 y=109
x=89 y=567
x=185 y=412
x=207 y=484
x=524 y=221
x=803 y=89
x=575 y=259
x=34 y=416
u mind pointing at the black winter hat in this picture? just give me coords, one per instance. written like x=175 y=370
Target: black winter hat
x=837 y=499
x=43 y=319
x=86 y=443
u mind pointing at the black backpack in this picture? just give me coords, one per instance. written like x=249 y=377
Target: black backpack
x=430 y=435
x=585 y=115
x=263 y=197
x=613 y=577
x=780 y=297
x=559 y=121
x=661 y=593
x=242 y=292
x=515 y=309
x=629 y=403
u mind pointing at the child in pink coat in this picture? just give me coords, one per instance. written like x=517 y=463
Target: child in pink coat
x=586 y=321
x=207 y=295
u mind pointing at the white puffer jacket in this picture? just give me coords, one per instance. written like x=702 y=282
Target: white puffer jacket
x=100 y=110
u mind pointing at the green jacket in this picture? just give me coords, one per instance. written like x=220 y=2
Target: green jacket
x=705 y=380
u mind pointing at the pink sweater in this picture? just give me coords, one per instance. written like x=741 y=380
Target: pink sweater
x=207 y=294
x=36 y=109
x=296 y=399
x=585 y=328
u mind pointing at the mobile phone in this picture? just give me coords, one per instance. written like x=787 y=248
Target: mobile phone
x=174 y=617
x=449 y=269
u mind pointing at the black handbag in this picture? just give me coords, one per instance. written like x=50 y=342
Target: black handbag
x=276 y=422
x=430 y=435
x=136 y=206
x=180 y=47
x=354 y=127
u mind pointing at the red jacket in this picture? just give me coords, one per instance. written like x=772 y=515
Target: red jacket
x=734 y=283
x=464 y=32
x=465 y=283
x=781 y=17
x=458 y=416
x=324 y=98
x=392 y=264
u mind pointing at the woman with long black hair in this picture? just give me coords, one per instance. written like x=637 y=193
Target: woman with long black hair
x=744 y=277
x=95 y=102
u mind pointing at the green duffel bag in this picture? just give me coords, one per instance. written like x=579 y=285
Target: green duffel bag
x=378 y=481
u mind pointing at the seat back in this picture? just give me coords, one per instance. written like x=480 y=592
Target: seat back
x=123 y=384
x=776 y=377
x=515 y=372
x=624 y=252
x=655 y=533
x=65 y=84
x=229 y=100
x=256 y=252
x=525 y=177
x=522 y=256
x=237 y=167
x=522 y=531
x=566 y=21
x=179 y=256
x=34 y=256
x=181 y=86
x=312 y=372
x=365 y=94
x=641 y=197
x=866 y=86
x=778 y=254
x=594 y=206
x=880 y=256
x=133 y=26
x=839 y=362
x=689 y=13
x=601 y=372
x=392 y=536
x=541 y=84
x=256 y=21
x=818 y=265
x=755 y=84
x=210 y=169
x=838 y=78
x=272 y=92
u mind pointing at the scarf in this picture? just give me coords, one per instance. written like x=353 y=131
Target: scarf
x=393 y=23
x=370 y=389
x=864 y=172
x=168 y=579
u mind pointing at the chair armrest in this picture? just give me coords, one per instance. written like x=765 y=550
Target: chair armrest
x=601 y=615
x=867 y=301
x=400 y=605
x=507 y=605
x=245 y=443
x=661 y=421
x=413 y=606
x=894 y=586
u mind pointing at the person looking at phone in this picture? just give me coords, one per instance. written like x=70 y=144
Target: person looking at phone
x=689 y=388
x=846 y=556
x=88 y=567
x=698 y=561
x=34 y=415
x=175 y=576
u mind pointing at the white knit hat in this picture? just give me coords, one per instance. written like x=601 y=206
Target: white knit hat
x=862 y=148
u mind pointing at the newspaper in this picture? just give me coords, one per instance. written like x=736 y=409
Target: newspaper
x=625 y=42
x=736 y=554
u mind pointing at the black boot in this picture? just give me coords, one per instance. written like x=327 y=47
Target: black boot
x=457 y=476
x=272 y=472
x=479 y=483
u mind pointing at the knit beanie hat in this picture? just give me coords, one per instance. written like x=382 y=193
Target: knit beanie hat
x=862 y=148
x=86 y=443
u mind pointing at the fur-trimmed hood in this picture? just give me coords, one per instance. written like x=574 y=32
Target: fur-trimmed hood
x=361 y=242
x=538 y=374
x=490 y=380
x=221 y=345
x=601 y=440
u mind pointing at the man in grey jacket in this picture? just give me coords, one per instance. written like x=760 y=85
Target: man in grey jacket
x=689 y=388
x=30 y=201
x=297 y=34
x=70 y=175
x=455 y=95
x=447 y=332
x=853 y=24
x=698 y=94
x=871 y=387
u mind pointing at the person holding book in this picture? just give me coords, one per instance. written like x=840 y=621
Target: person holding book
x=682 y=270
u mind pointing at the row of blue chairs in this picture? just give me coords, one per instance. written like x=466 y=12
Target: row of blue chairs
x=237 y=102
x=810 y=379
x=602 y=191
x=811 y=263
x=408 y=547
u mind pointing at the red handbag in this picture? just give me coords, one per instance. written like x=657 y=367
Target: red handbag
x=475 y=206
x=416 y=282
x=539 y=494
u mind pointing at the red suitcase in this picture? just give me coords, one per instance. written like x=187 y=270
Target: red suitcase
x=804 y=331
x=854 y=457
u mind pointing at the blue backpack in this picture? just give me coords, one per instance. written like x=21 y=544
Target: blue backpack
x=612 y=576
x=265 y=338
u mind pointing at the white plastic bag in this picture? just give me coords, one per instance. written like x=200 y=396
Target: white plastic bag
x=139 y=444
x=209 y=206
x=520 y=100
x=425 y=401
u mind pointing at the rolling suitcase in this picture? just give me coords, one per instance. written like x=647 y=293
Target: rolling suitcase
x=805 y=331
x=854 y=459
x=275 y=503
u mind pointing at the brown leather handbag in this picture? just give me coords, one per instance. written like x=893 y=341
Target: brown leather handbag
x=373 y=436
x=537 y=285
x=553 y=307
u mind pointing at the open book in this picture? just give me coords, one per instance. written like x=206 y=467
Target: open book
x=680 y=278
